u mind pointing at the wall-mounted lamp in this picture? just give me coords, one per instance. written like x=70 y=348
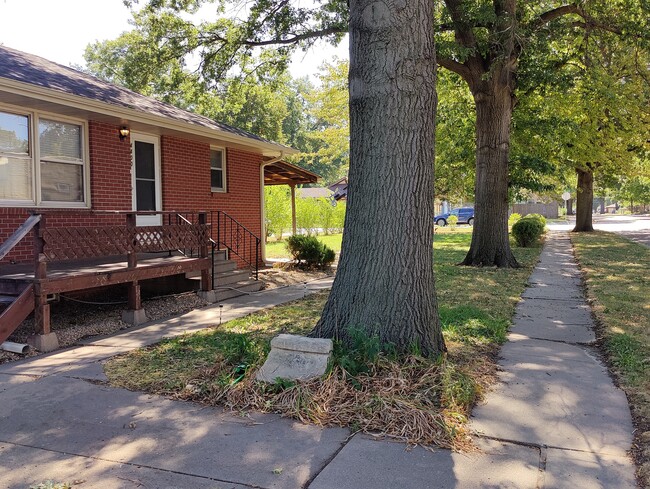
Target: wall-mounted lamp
x=124 y=133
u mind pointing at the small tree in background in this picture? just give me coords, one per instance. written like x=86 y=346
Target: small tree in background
x=277 y=207
x=308 y=214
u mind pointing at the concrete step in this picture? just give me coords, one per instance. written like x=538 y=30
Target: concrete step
x=224 y=266
x=228 y=278
x=219 y=267
x=220 y=255
x=225 y=292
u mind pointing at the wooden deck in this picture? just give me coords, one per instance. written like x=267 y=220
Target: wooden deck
x=71 y=275
x=79 y=258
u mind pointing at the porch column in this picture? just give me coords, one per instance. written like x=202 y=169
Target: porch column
x=206 y=274
x=135 y=313
x=293 y=207
x=44 y=340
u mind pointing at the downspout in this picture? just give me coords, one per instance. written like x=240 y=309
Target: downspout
x=263 y=228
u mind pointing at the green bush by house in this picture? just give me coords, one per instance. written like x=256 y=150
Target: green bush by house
x=309 y=251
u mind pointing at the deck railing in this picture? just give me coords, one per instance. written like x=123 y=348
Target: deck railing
x=76 y=242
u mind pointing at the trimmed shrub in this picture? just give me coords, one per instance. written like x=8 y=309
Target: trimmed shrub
x=539 y=217
x=514 y=217
x=527 y=231
x=452 y=221
x=307 y=250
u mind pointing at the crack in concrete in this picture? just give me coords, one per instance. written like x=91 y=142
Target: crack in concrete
x=329 y=460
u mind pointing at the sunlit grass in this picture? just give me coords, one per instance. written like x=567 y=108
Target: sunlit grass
x=215 y=365
x=617 y=274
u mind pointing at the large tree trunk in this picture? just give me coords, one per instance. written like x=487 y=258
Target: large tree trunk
x=490 y=241
x=384 y=283
x=584 y=201
x=569 y=207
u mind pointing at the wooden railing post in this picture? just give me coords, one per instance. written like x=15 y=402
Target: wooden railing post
x=41 y=307
x=206 y=273
x=135 y=314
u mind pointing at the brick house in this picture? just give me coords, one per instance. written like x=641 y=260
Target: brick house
x=89 y=157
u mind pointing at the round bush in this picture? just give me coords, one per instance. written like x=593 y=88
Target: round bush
x=539 y=217
x=309 y=251
x=527 y=231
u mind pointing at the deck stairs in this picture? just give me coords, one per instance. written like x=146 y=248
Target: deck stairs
x=229 y=281
x=16 y=303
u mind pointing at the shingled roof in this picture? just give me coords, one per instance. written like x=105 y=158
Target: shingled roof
x=34 y=70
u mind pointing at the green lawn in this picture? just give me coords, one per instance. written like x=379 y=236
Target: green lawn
x=277 y=249
x=431 y=406
x=618 y=283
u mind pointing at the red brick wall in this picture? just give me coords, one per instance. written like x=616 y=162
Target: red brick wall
x=185 y=181
x=110 y=187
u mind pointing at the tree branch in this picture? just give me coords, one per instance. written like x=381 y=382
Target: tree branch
x=556 y=13
x=455 y=66
x=283 y=41
x=588 y=22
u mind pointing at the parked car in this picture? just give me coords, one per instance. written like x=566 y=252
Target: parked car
x=465 y=216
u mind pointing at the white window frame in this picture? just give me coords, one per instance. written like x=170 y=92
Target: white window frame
x=224 y=173
x=35 y=157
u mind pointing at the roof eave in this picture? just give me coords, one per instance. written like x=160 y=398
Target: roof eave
x=86 y=104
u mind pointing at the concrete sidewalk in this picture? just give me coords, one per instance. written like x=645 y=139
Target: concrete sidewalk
x=555 y=421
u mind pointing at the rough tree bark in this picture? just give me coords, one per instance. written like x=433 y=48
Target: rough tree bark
x=490 y=75
x=584 y=201
x=490 y=242
x=384 y=282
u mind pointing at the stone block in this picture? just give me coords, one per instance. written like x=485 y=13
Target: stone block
x=44 y=342
x=134 y=316
x=296 y=357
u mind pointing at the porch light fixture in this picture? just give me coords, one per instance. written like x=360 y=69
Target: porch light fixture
x=124 y=133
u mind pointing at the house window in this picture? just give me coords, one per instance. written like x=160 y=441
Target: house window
x=16 y=167
x=47 y=170
x=218 y=169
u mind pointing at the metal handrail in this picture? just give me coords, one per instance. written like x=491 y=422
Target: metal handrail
x=233 y=228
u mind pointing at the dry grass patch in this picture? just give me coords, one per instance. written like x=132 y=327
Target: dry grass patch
x=368 y=387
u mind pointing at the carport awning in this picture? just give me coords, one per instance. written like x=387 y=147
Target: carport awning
x=283 y=173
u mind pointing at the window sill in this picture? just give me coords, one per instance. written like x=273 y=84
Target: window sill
x=43 y=205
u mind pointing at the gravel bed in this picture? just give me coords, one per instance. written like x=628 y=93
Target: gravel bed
x=73 y=320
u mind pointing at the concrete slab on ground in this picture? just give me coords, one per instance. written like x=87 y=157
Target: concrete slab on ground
x=365 y=463
x=210 y=316
x=567 y=469
x=554 y=293
x=79 y=418
x=555 y=278
x=11 y=381
x=554 y=330
x=558 y=395
x=62 y=361
x=565 y=312
x=26 y=467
